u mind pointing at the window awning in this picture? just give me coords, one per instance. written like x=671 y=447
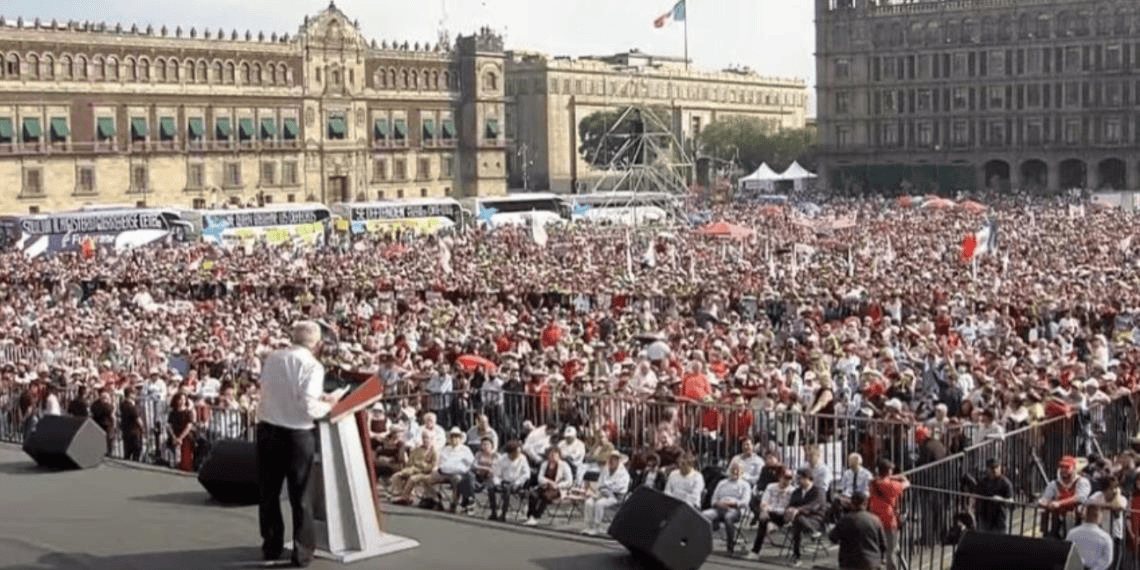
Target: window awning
x=6 y=128
x=59 y=128
x=106 y=127
x=448 y=129
x=268 y=129
x=32 y=129
x=245 y=128
x=138 y=127
x=401 y=128
x=197 y=127
x=290 y=128
x=492 y=128
x=224 y=129
x=337 y=126
x=429 y=128
x=381 y=128
x=166 y=127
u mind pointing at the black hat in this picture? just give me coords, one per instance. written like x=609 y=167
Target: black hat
x=992 y=462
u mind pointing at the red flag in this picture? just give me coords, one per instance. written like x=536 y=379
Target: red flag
x=969 y=245
x=662 y=19
x=89 y=249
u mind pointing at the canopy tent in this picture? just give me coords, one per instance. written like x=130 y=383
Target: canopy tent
x=972 y=207
x=763 y=179
x=798 y=175
x=726 y=230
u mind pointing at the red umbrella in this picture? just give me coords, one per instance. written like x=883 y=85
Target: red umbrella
x=472 y=362
x=726 y=230
x=972 y=207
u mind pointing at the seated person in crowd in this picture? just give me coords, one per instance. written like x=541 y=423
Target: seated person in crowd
x=729 y=501
x=855 y=479
x=481 y=473
x=439 y=437
x=390 y=452
x=686 y=483
x=609 y=490
x=573 y=451
x=772 y=505
x=554 y=480
x=820 y=470
x=422 y=461
x=771 y=471
x=805 y=510
x=753 y=464
x=599 y=453
x=510 y=474
x=653 y=474
x=537 y=442
x=455 y=461
x=482 y=429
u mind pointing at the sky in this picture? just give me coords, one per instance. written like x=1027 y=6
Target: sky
x=775 y=38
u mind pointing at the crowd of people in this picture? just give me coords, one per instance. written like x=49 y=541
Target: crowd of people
x=649 y=345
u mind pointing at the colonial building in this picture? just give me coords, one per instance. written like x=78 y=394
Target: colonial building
x=928 y=94
x=90 y=113
x=547 y=97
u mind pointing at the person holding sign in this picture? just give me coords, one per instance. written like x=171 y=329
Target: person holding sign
x=292 y=399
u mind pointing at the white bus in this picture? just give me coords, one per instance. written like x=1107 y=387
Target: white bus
x=624 y=208
x=519 y=209
x=426 y=215
x=118 y=229
x=273 y=225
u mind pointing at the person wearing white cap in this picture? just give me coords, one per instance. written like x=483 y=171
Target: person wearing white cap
x=455 y=461
x=612 y=485
x=573 y=451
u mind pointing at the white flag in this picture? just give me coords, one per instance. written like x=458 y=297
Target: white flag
x=538 y=232
x=445 y=257
x=1125 y=244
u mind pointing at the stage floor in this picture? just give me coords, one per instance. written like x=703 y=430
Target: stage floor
x=121 y=517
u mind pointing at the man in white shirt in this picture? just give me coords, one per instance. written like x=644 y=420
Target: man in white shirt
x=439 y=437
x=1112 y=505
x=772 y=506
x=292 y=399
x=686 y=483
x=612 y=485
x=855 y=479
x=1093 y=544
x=511 y=473
x=573 y=450
x=729 y=502
x=820 y=470
x=537 y=442
x=751 y=462
x=455 y=461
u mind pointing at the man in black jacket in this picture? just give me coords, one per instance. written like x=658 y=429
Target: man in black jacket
x=805 y=510
x=860 y=537
x=992 y=514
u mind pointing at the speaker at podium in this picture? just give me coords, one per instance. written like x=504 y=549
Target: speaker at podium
x=347 y=515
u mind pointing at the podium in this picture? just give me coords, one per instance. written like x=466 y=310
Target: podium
x=347 y=517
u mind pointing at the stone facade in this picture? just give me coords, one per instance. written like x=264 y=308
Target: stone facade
x=165 y=117
x=548 y=97
x=928 y=95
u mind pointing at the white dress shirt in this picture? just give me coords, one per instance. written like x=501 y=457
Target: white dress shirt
x=455 y=459
x=1093 y=544
x=572 y=451
x=1112 y=522
x=688 y=488
x=752 y=464
x=292 y=382
x=515 y=472
x=613 y=484
x=777 y=499
x=739 y=492
x=852 y=481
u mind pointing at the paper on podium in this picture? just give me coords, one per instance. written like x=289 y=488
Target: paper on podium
x=369 y=391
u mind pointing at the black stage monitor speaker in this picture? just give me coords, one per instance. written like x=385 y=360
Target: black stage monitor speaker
x=985 y=551
x=662 y=532
x=66 y=442
x=229 y=473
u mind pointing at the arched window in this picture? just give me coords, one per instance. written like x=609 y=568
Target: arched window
x=273 y=74
x=202 y=67
x=160 y=70
x=98 y=72
x=404 y=79
x=245 y=77
x=435 y=80
x=49 y=67
x=12 y=66
x=112 y=68
x=191 y=77
x=81 y=67
x=283 y=75
x=414 y=83
x=144 y=70
x=446 y=81
x=490 y=81
x=65 y=67
x=257 y=77
x=989 y=30
x=1044 y=26
x=173 y=69
x=217 y=76
x=34 y=66
x=132 y=69
x=1025 y=26
x=391 y=79
x=1005 y=28
x=229 y=72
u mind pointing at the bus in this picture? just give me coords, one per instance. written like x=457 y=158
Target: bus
x=625 y=208
x=519 y=209
x=425 y=215
x=116 y=229
x=273 y=225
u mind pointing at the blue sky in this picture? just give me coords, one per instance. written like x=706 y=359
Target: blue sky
x=773 y=37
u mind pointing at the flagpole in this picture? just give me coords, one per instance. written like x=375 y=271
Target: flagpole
x=686 y=5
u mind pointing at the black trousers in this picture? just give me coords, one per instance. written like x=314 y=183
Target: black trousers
x=132 y=445
x=286 y=456
x=762 y=529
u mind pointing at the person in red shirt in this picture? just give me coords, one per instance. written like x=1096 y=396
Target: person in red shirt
x=694 y=385
x=551 y=335
x=884 y=493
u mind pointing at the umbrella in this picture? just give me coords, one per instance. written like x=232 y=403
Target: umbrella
x=657 y=351
x=972 y=207
x=726 y=230
x=471 y=362
x=937 y=204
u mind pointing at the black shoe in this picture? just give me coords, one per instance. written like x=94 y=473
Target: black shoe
x=493 y=517
x=271 y=553
x=298 y=563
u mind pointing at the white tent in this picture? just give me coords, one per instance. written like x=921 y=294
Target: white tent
x=798 y=175
x=763 y=179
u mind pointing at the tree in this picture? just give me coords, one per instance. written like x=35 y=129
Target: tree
x=603 y=137
x=751 y=143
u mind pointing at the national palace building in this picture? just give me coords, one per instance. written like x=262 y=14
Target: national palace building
x=1039 y=95
x=186 y=117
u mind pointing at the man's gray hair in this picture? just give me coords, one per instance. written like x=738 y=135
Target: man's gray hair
x=305 y=333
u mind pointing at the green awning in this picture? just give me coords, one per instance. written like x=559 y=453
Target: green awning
x=59 y=128
x=401 y=128
x=448 y=129
x=268 y=129
x=197 y=127
x=290 y=128
x=492 y=128
x=6 y=128
x=245 y=128
x=429 y=128
x=381 y=128
x=166 y=128
x=106 y=127
x=32 y=128
x=337 y=126
x=138 y=128
x=224 y=129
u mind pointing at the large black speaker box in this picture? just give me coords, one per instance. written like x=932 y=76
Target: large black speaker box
x=986 y=551
x=66 y=442
x=229 y=473
x=662 y=532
